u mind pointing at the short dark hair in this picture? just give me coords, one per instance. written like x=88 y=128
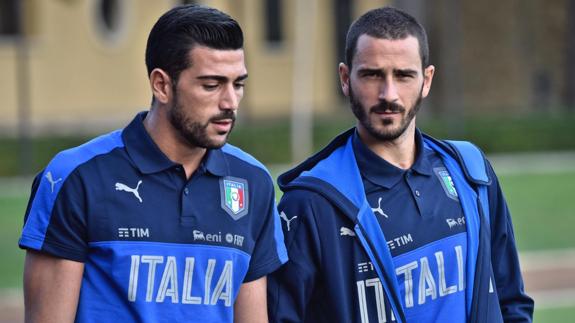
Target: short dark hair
x=180 y=29
x=386 y=23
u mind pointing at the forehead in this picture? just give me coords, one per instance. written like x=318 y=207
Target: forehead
x=377 y=52
x=209 y=61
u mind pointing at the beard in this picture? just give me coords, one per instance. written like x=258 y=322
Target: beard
x=195 y=132
x=386 y=133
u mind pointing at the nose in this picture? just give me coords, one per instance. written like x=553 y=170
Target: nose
x=230 y=98
x=388 y=91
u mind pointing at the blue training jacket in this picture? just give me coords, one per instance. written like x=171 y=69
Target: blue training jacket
x=326 y=193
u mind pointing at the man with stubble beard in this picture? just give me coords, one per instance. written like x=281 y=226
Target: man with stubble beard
x=161 y=221
x=387 y=224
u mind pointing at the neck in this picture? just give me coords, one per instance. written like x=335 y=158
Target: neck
x=171 y=143
x=399 y=152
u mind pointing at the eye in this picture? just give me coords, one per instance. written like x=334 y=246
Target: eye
x=210 y=86
x=371 y=74
x=239 y=86
x=404 y=76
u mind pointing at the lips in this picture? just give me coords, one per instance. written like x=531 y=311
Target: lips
x=389 y=112
x=387 y=108
x=223 y=121
x=223 y=125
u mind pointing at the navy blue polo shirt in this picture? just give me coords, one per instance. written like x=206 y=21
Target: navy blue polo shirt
x=424 y=225
x=156 y=246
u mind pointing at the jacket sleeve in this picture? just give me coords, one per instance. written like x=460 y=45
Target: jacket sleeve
x=291 y=287
x=515 y=305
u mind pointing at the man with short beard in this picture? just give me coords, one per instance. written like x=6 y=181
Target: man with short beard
x=387 y=224
x=161 y=221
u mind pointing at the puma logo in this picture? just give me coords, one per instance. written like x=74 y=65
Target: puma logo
x=378 y=209
x=343 y=231
x=52 y=181
x=125 y=188
x=288 y=221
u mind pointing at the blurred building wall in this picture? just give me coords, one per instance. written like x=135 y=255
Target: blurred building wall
x=87 y=72
x=509 y=56
x=81 y=71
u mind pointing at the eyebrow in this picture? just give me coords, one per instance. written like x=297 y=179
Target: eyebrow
x=222 y=79
x=406 y=71
x=369 y=70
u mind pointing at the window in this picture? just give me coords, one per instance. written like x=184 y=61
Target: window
x=273 y=22
x=10 y=18
x=342 y=14
x=108 y=13
x=110 y=19
x=342 y=21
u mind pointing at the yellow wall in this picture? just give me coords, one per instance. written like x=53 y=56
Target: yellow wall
x=80 y=80
x=8 y=89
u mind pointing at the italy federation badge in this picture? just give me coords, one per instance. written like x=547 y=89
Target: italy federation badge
x=234 y=196
x=446 y=182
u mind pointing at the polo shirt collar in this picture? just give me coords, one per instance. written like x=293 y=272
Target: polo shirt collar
x=150 y=159
x=216 y=163
x=381 y=172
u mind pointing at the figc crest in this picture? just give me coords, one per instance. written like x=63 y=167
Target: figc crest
x=234 y=196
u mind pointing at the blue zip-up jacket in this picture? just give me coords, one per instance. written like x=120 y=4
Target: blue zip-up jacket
x=324 y=197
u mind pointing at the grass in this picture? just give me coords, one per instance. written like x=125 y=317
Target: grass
x=12 y=209
x=541 y=209
x=540 y=205
x=269 y=140
x=560 y=314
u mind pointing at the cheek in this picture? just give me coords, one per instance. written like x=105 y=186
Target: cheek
x=194 y=103
x=364 y=91
x=410 y=93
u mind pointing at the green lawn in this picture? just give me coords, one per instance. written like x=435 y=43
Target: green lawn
x=554 y=315
x=540 y=204
x=12 y=209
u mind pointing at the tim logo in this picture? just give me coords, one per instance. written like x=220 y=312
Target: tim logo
x=133 y=232
x=364 y=267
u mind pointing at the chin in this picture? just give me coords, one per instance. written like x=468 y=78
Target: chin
x=218 y=142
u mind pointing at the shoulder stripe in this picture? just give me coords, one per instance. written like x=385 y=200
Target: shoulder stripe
x=237 y=152
x=278 y=233
x=52 y=180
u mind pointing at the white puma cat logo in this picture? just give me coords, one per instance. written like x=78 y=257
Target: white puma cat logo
x=284 y=216
x=378 y=209
x=343 y=231
x=52 y=181
x=125 y=188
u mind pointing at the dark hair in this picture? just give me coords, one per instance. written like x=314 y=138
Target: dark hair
x=183 y=27
x=386 y=23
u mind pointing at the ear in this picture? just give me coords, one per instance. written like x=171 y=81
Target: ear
x=161 y=85
x=344 y=78
x=427 y=79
